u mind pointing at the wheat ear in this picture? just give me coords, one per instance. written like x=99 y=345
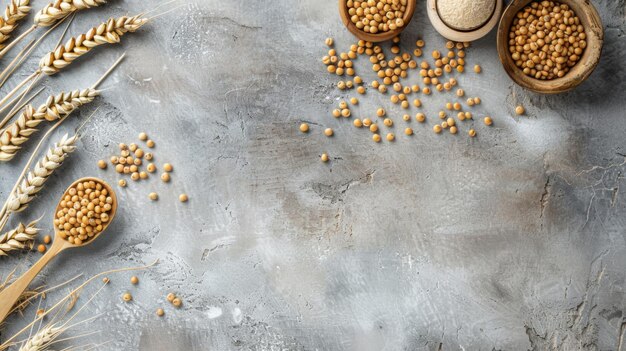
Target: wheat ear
x=55 y=108
x=58 y=9
x=19 y=238
x=52 y=13
x=15 y=11
x=34 y=180
x=42 y=339
x=10 y=341
x=108 y=32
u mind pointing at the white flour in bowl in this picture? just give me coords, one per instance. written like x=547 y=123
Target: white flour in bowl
x=465 y=15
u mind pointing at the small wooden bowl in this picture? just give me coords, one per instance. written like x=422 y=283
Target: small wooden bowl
x=589 y=18
x=345 y=18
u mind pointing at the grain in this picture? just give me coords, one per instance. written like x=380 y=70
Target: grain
x=20 y=238
x=387 y=16
x=108 y=32
x=546 y=40
x=183 y=198
x=153 y=196
x=84 y=212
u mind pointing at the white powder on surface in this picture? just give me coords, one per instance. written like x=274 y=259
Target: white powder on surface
x=465 y=14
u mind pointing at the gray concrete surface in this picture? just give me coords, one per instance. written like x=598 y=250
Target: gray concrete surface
x=514 y=240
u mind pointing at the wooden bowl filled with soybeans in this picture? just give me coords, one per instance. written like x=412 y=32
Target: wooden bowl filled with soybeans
x=376 y=20
x=550 y=46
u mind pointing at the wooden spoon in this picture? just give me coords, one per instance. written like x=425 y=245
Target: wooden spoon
x=10 y=295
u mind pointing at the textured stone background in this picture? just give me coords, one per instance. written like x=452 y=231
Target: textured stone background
x=513 y=240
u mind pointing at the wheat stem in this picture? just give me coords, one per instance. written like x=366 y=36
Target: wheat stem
x=25 y=52
x=8 y=342
x=106 y=74
x=34 y=75
x=17 y=40
x=20 y=238
x=55 y=108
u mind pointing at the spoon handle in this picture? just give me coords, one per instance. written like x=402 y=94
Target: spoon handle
x=10 y=295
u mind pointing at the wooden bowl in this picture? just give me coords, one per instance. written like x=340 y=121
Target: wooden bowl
x=458 y=35
x=589 y=18
x=345 y=18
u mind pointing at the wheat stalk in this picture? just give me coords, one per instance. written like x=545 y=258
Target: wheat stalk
x=42 y=339
x=19 y=238
x=11 y=340
x=49 y=15
x=108 y=32
x=55 y=108
x=58 y=9
x=15 y=11
x=35 y=179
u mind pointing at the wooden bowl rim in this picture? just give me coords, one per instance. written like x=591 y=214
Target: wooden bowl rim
x=579 y=73
x=457 y=35
x=111 y=214
x=378 y=37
